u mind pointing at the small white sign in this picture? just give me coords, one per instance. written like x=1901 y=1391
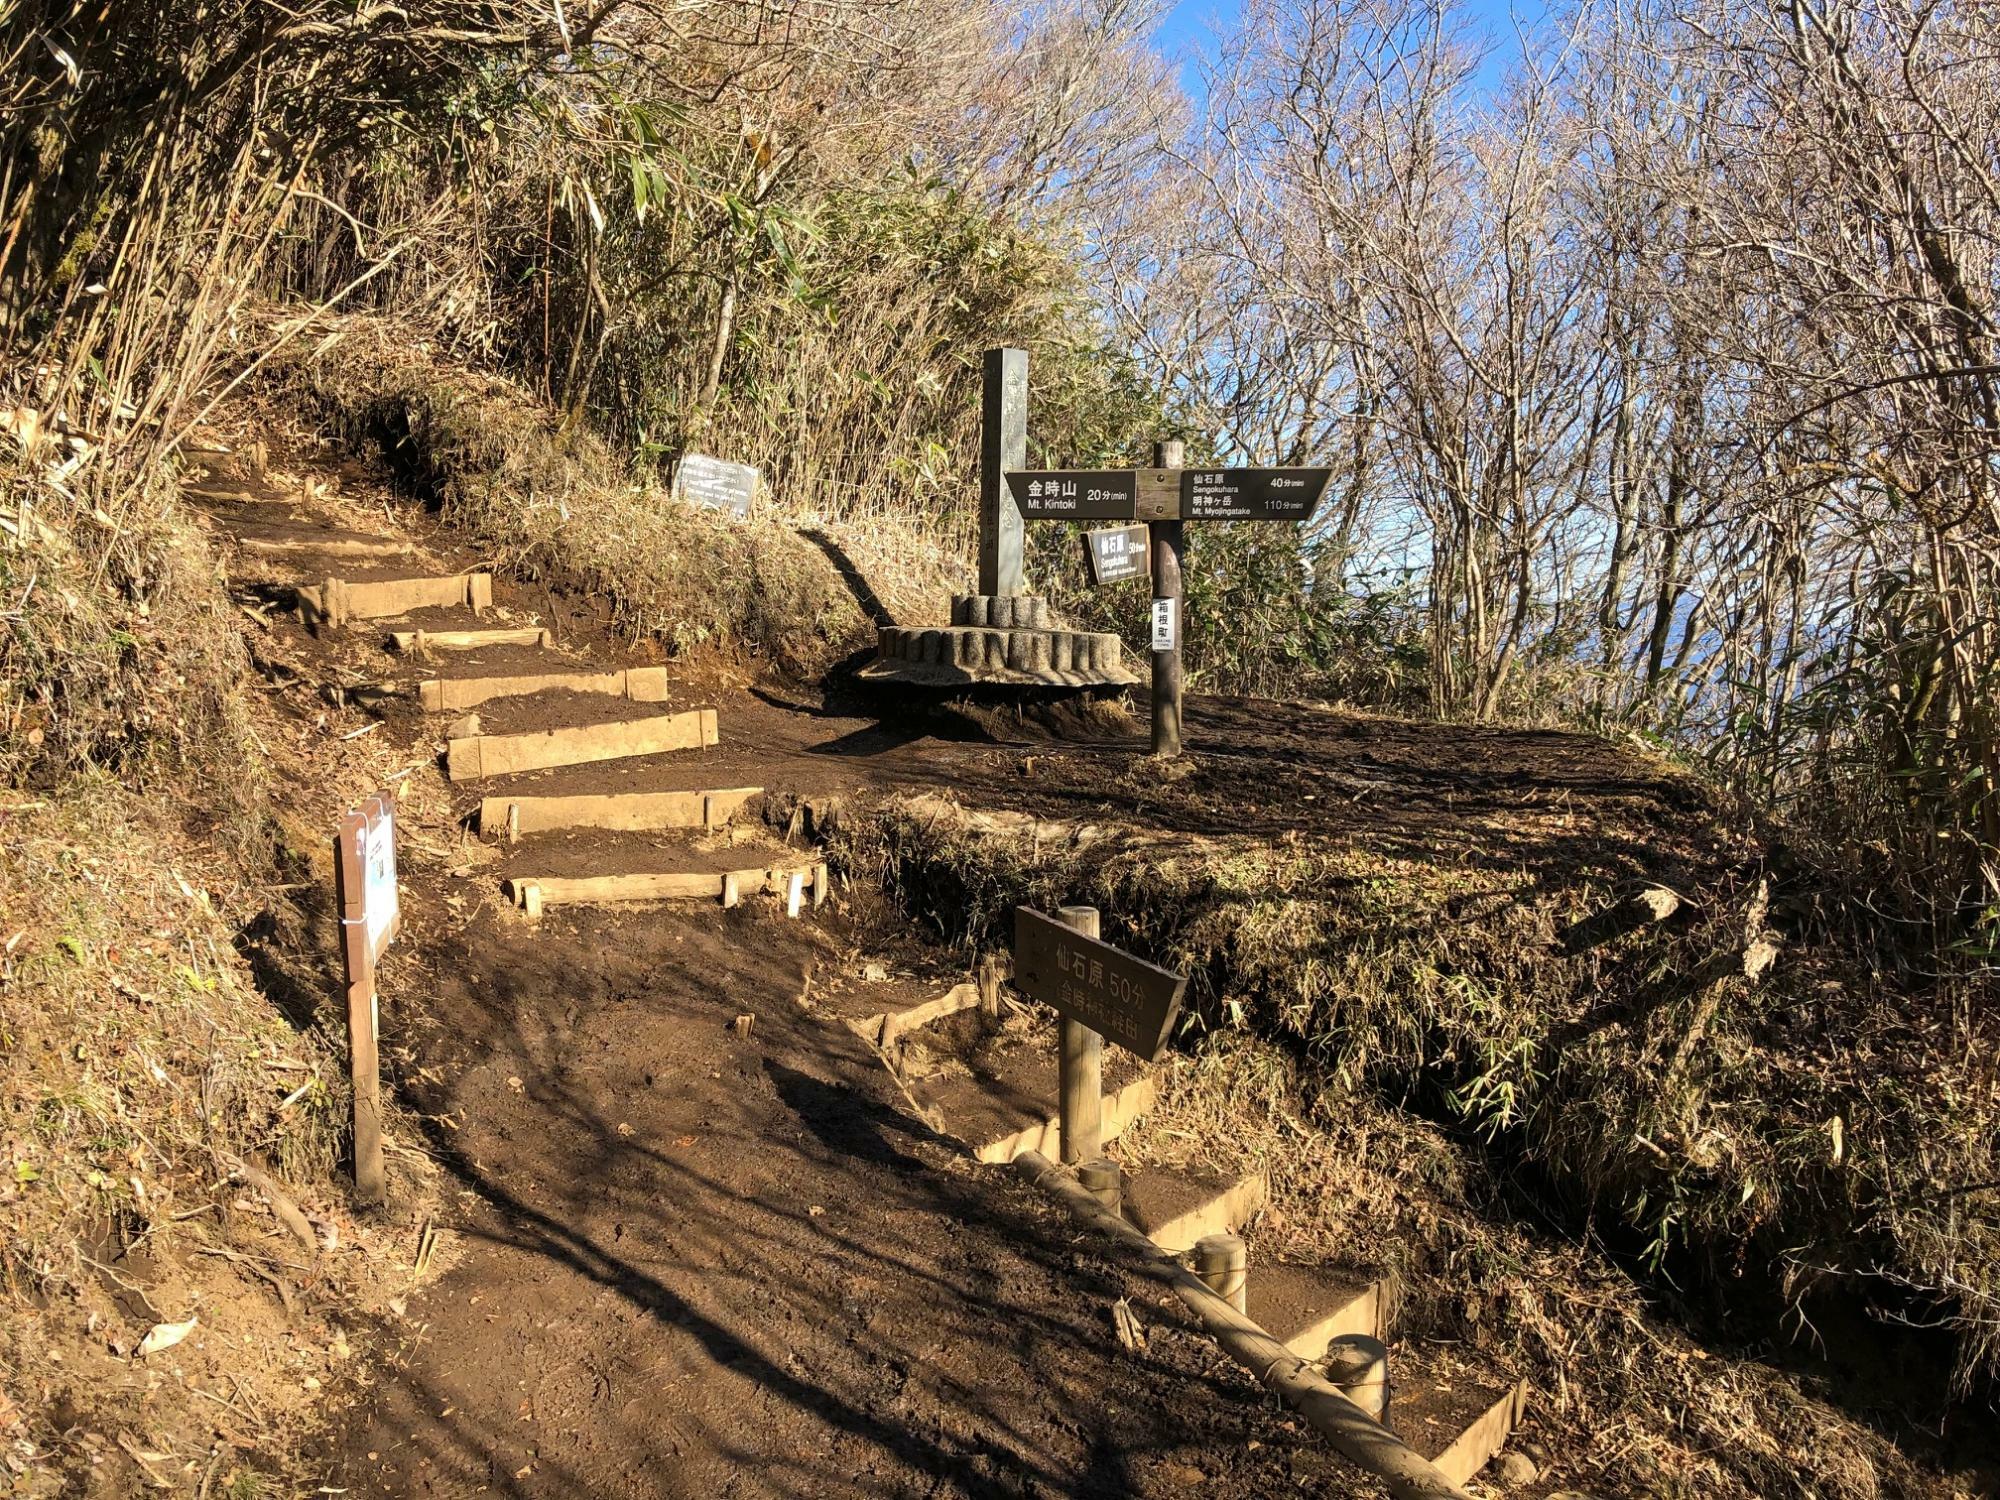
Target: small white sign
x=1166 y=627
x=379 y=902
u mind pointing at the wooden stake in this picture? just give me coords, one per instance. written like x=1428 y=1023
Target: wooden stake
x=1104 y=1180
x=363 y=1018
x=1359 y=1365
x=1167 y=539
x=732 y=889
x=795 y=893
x=1223 y=1262
x=1080 y=1066
x=822 y=884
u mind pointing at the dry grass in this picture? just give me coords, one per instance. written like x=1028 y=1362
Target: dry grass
x=141 y=1064
x=554 y=505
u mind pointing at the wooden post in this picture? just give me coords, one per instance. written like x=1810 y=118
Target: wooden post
x=1359 y=1366
x=1104 y=1180
x=364 y=1062
x=1003 y=445
x=1167 y=539
x=989 y=987
x=1080 y=1066
x=1223 y=1261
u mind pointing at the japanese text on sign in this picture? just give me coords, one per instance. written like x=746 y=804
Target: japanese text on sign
x=1117 y=554
x=716 y=484
x=1124 y=999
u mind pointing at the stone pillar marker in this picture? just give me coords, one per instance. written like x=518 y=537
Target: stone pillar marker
x=1003 y=445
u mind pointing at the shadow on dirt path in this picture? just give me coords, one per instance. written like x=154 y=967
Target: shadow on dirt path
x=695 y=1264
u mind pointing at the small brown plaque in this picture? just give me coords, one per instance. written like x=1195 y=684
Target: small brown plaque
x=1124 y=999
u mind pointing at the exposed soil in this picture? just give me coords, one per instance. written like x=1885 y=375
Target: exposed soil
x=686 y=1260
x=691 y=1263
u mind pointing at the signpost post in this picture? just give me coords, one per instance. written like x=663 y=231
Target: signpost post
x=1168 y=538
x=1164 y=497
x=364 y=864
x=1102 y=993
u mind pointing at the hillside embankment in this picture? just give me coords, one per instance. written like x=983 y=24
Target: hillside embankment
x=606 y=1192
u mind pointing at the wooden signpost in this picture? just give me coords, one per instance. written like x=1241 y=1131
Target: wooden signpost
x=364 y=865
x=1102 y=993
x=1162 y=497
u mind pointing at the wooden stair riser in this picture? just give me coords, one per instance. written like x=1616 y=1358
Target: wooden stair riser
x=475 y=757
x=336 y=601
x=535 y=892
x=1226 y=1213
x=624 y=812
x=1121 y=1107
x=1476 y=1447
x=450 y=694
x=418 y=642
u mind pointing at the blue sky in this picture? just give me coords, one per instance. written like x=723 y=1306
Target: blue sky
x=1191 y=25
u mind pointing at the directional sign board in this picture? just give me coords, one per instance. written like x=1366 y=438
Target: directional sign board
x=1117 y=554
x=716 y=484
x=1251 y=494
x=365 y=853
x=1124 y=999
x=1075 y=494
x=1203 y=494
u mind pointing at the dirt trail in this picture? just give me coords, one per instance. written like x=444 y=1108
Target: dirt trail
x=691 y=1263
x=681 y=1259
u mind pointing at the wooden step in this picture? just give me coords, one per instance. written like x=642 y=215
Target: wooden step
x=417 y=642
x=332 y=546
x=630 y=812
x=447 y=694
x=337 y=601
x=1306 y=1308
x=1005 y=1108
x=475 y=756
x=532 y=893
x=1454 y=1408
x=1175 y=1209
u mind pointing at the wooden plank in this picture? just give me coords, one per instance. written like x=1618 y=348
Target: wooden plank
x=640 y=684
x=339 y=546
x=501 y=754
x=1474 y=1447
x=622 y=811
x=1121 y=1107
x=900 y=1023
x=336 y=601
x=467 y=640
x=661 y=885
